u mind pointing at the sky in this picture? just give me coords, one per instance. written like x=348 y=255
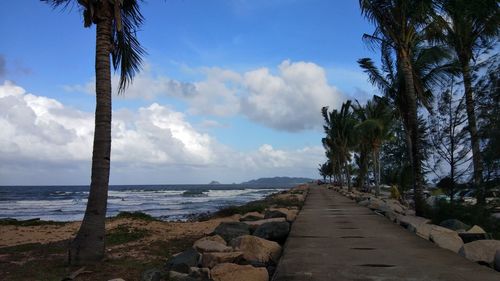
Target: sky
x=230 y=90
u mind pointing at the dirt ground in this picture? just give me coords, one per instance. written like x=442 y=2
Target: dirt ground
x=40 y=252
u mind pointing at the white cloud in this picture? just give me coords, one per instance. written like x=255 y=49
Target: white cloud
x=46 y=142
x=289 y=100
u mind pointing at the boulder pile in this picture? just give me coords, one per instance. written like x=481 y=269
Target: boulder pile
x=472 y=243
x=247 y=250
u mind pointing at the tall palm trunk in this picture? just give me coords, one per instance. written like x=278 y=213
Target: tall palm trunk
x=375 y=172
x=407 y=70
x=472 y=127
x=88 y=245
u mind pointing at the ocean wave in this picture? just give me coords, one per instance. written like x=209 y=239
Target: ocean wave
x=195 y=193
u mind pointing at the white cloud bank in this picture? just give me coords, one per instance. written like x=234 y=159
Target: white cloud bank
x=290 y=100
x=42 y=141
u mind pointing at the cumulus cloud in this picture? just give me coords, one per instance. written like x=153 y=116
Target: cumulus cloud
x=44 y=142
x=289 y=100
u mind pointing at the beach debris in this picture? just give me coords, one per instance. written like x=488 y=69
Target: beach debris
x=75 y=274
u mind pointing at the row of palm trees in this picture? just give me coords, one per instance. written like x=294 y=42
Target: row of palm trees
x=422 y=43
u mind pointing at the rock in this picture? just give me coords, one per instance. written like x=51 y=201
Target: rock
x=116 y=279
x=454 y=224
x=496 y=264
x=482 y=251
x=181 y=262
x=423 y=230
x=411 y=222
x=376 y=204
x=200 y=273
x=212 y=259
x=476 y=230
x=271 y=214
x=256 y=249
x=446 y=239
x=274 y=231
x=289 y=214
x=153 y=274
x=252 y=216
x=230 y=230
x=211 y=244
x=255 y=224
x=177 y=276
x=391 y=216
x=395 y=206
x=233 y=272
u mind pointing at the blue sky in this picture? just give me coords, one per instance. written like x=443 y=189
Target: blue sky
x=233 y=87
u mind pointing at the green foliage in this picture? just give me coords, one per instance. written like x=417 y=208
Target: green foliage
x=136 y=216
x=124 y=234
x=469 y=214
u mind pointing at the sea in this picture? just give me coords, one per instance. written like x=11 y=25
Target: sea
x=165 y=202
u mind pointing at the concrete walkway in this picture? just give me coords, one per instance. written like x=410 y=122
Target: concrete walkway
x=333 y=238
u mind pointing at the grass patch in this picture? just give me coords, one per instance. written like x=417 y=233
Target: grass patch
x=135 y=216
x=32 y=222
x=124 y=234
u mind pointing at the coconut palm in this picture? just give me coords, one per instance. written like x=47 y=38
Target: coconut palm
x=340 y=137
x=116 y=23
x=397 y=25
x=373 y=130
x=468 y=27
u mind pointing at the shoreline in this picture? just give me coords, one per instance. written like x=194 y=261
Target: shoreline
x=15 y=232
x=134 y=244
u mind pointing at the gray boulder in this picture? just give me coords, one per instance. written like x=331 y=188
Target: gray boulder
x=481 y=251
x=230 y=230
x=274 y=231
x=182 y=262
x=153 y=274
x=454 y=224
x=270 y=214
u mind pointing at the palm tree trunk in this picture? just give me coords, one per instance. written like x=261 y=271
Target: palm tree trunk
x=89 y=244
x=375 y=172
x=414 y=132
x=472 y=127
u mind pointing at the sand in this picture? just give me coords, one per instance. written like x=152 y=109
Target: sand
x=11 y=235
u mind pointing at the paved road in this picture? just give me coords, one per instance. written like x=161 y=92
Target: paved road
x=335 y=239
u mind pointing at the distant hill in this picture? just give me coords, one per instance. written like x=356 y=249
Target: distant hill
x=277 y=181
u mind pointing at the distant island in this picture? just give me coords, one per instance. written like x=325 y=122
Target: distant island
x=214 y=182
x=277 y=181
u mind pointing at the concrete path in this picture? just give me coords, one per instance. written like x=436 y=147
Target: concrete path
x=333 y=238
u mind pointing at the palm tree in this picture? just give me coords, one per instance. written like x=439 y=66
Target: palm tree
x=468 y=27
x=397 y=26
x=374 y=129
x=116 y=24
x=340 y=138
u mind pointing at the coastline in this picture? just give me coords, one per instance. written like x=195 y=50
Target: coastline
x=144 y=242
